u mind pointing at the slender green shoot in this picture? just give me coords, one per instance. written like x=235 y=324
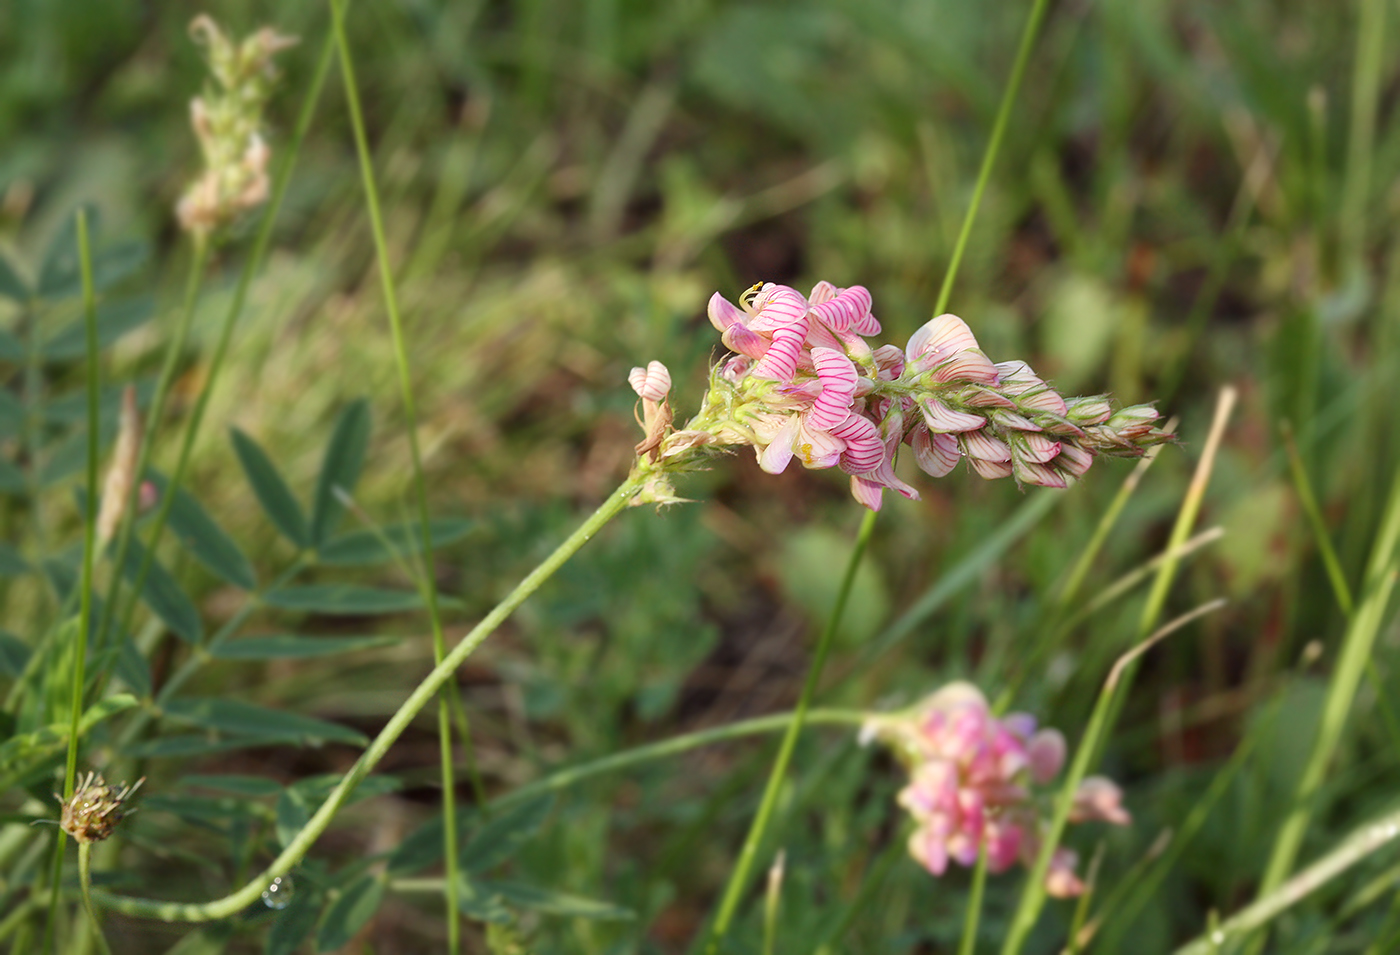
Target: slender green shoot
x=984 y=174
x=1357 y=643
x=1365 y=96
x=739 y=875
x=1033 y=894
x=85 y=881
x=422 y=695
x=968 y=945
x=1308 y=499
x=1360 y=845
x=429 y=586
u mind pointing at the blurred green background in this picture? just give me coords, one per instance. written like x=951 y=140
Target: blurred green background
x=1191 y=194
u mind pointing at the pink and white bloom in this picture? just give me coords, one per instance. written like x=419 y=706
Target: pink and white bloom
x=972 y=781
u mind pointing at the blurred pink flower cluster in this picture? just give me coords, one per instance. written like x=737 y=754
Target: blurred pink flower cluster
x=971 y=785
x=804 y=383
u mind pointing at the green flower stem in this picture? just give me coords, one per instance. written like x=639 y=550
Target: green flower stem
x=417 y=700
x=198 y=260
x=85 y=880
x=968 y=946
x=1366 y=840
x=1360 y=637
x=739 y=875
x=428 y=586
x=1008 y=97
x=251 y=267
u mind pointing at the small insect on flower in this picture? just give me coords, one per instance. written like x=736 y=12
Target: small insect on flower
x=95 y=809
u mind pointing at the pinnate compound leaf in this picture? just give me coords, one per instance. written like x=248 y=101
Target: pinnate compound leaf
x=288 y=646
x=11 y=563
x=12 y=286
x=340 y=468
x=357 y=903
x=271 y=490
x=368 y=547
x=237 y=784
x=557 y=903
x=503 y=836
x=206 y=541
x=163 y=595
x=113 y=321
x=293 y=925
x=11 y=478
x=342 y=599
x=423 y=846
x=248 y=719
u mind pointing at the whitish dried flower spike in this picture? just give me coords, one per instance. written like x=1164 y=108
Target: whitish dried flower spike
x=227 y=120
x=93 y=812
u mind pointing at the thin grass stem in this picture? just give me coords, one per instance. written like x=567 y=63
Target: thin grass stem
x=1361 y=844
x=1357 y=643
x=984 y=174
x=85 y=881
x=739 y=875
x=410 y=412
x=968 y=945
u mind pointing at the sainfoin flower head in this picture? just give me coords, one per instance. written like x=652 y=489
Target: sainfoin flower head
x=804 y=383
x=972 y=785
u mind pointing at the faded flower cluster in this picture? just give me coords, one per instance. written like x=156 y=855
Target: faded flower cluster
x=95 y=808
x=805 y=383
x=971 y=785
x=227 y=120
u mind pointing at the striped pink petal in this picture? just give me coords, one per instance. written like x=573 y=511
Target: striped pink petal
x=779 y=362
x=883 y=476
x=724 y=313
x=652 y=382
x=818 y=449
x=968 y=365
x=865 y=451
x=1009 y=419
x=991 y=470
x=845 y=309
x=889 y=359
x=1028 y=472
x=984 y=447
x=779 y=307
x=867 y=492
x=867 y=324
x=744 y=340
x=819 y=336
x=838 y=378
x=774 y=458
x=1037 y=447
x=1074 y=461
x=823 y=291
x=1047 y=400
x=936 y=454
x=939 y=339
x=942 y=419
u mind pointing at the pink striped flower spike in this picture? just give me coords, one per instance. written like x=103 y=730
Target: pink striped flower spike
x=803 y=382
